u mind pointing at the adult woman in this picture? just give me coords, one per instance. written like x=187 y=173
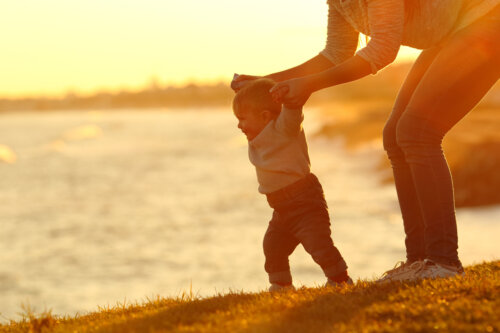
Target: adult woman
x=459 y=63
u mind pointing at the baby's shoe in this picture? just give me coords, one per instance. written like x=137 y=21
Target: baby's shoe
x=275 y=287
x=339 y=280
x=331 y=283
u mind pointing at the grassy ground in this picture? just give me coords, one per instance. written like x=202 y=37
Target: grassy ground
x=462 y=304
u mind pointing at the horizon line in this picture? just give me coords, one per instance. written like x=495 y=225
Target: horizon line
x=152 y=82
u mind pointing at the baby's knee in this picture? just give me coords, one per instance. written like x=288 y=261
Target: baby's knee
x=268 y=245
x=277 y=244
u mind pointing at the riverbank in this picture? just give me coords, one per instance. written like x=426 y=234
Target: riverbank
x=461 y=304
x=472 y=147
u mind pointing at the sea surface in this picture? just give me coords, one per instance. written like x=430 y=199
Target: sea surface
x=114 y=207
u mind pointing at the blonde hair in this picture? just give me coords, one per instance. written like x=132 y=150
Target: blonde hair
x=255 y=96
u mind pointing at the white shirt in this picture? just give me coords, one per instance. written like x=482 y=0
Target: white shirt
x=279 y=152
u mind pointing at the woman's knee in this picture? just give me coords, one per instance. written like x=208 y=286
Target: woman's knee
x=417 y=132
x=390 y=142
x=389 y=136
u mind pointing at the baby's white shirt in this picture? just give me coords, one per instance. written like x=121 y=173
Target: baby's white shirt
x=279 y=152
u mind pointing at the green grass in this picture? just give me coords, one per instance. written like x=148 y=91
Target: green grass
x=461 y=304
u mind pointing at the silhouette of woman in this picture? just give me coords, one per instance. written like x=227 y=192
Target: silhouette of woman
x=459 y=63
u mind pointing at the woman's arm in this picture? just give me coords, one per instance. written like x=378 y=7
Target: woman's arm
x=314 y=65
x=352 y=69
x=386 y=18
x=341 y=43
x=299 y=89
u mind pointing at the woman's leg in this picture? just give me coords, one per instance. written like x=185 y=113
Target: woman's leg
x=407 y=195
x=463 y=71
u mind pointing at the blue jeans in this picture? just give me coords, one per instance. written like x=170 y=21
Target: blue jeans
x=300 y=216
x=444 y=84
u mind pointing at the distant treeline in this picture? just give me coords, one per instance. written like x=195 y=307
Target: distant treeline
x=191 y=95
x=384 y=85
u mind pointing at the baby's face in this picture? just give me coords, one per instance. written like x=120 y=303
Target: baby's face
x=251 y=123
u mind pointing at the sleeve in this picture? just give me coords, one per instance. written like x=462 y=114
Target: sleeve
x=386 y=22
x=289 y=122
x=342 y=38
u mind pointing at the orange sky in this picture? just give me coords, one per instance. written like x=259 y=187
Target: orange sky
x=51 y=47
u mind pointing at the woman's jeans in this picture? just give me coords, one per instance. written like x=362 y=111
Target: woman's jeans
x=300 y=216
x=444 y=84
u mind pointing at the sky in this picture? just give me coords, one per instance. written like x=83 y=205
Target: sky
x=53 y=47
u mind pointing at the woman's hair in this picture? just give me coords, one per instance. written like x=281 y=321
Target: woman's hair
x=255 y=96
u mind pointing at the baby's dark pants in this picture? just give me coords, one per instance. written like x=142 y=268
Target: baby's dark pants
x=300 y=217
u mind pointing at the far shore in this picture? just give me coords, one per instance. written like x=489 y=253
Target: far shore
x=381 y=87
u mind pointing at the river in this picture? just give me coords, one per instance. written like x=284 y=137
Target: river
x=106 y=207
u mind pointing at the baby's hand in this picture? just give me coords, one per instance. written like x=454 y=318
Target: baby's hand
x=293 y=93
x=278 y=93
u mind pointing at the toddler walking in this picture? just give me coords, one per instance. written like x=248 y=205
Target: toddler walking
x=277 y=148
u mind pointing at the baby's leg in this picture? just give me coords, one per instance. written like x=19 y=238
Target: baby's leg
x=279 y=243
x=313 y=231
x=310 y=223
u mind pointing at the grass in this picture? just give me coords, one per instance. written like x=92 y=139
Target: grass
x=461 y=304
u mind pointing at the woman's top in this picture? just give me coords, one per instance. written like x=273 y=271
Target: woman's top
x=279 y=152
x=391 y=23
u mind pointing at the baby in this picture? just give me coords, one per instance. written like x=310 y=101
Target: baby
x=277 y=148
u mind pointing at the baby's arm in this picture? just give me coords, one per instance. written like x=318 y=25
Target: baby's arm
x=278 y=94
x=289 y=122
x=290 y=119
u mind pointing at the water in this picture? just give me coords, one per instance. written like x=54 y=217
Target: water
x=105 y=207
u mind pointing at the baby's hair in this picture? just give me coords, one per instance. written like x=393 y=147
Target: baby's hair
x=255 y=96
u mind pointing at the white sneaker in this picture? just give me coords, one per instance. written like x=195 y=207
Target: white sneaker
x=402 y=271
x=433 y=270
x=279 y=288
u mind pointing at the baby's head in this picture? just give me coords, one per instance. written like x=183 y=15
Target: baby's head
x=254 y=107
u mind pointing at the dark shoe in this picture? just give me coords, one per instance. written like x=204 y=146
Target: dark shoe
x=331 y=283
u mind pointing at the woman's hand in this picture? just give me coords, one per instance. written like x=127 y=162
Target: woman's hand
x=292 y=93
x=239 y=81
x=245 y=77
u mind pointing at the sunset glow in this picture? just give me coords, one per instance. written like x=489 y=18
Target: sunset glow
x=147 y=188
x=54 y=47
